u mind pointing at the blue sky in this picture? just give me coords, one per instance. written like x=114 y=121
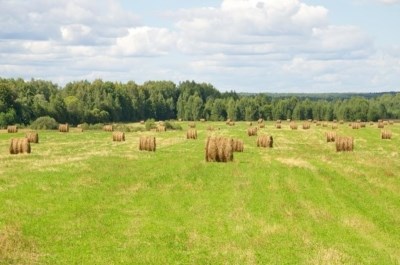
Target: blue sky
x=242 y=45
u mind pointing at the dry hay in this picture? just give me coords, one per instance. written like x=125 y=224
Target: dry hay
x=318 y=123
x=381 y=125
x=330 y=137
x=278 y=121
x=261 y=125
x=118 y=137
x=278 y=126
x=252 y=131
x=334 y=121
x=202 y=120
x=306 y=126
x=293 y=126
x=260 y=120
x=334 y=126
x=288 y=120
x=192 y=125
x=310 y=120
x=191 y=134
x=237 y=145
x=108 y=128
x=210 y=128
x=265 y=141
x=63 y=128
x=161 y=128
x=20 y=146
x=325 y=124
x=228 y=121
x=391 y=122
x=385 y=123
x=355 y=125
x=162 y=123
x=219 y=149
x=362 y=124
x=142 y=122
x=341 y=121
x=32 y=137
x=386 y=134
x=344 y=144
x=147 y=143
x=231 y=123
x=12 y=129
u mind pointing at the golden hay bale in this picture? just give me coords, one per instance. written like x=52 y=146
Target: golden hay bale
x=330 y=136
x=202 y=120
x=334 y=126
x=344 y=144
x=318 y=123
x=231 y=123
x=237 y=145
x=12 y=129
x=278 y=126
x=20 y=146
x=371 y=123
x=265 y=141
x=380 y=120
x=260 y=120
x=355 y=125
x=191 y=134
x=324 y=124
x=32 y=137
x=118 y=136
x=306 y=126
x=63 y=128
x=147 y=143
x=386 y=134
x=261 y=125
x=228 y=121
x=341 y=121
x=161 y=128
x=252 y=131
x=293 y=126
x=385 y=123
x=334 y=121
x=192 y=125
x=288 y=120
x=142 y=122
x=210 y=128
x=108 y=128
x=278 y=121
x=219 y=149
x=391 y=122
x=381 y=125
x=362 y=124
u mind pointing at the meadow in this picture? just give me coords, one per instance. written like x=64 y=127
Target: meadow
x=80 y=198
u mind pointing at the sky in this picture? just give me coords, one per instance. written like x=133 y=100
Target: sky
x=274 y=46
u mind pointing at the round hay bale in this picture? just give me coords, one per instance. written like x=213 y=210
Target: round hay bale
x=330 y=137
x=191 y=134
x=306 y=126
x=219 y=149
x=261 y=125
x=32 y=137
x=265 y=141
x=12 y=147
x=260 y=120
x=381 y=125
x=278 y=126
x=202 y=120
x=63 y=128
x=12 y=129
x=237 y=145
x=334 y=126
x=108 y=128
x=192 y=125
x=293 y=126
x=252 y=131
x=25 y=146
x=118 y=136
x=344 y=144
x=386 y=135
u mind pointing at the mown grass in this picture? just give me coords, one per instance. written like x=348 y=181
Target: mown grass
x=80 y=198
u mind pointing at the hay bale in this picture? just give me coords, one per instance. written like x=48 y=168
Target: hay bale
x=261 y=125
x=293 y=125
x=265 y=141
x=237 y=145
x=341 y=121
x=385 y=123
x=20 y=146
x=161 y=128
x=330 y=137
x=362 y=124
x=191 y=134
x=142 y=122
x=219 y=149
x=325 y=124
x=381 y=125
x=252 y=131
x=118 y=137
x=32 y=137
x=386 y=135
x=355 y=125
x=12 y=129
x=228 y=121
x=192 y=125
x=334 y=126
x=278 y=121
x=260 y=120
x=278 y=126
x=108 y=128
x=306 y=126
x=202 y=120
x=147 y=143
x=210 y=128
x=391 y=122
x=64 y=128
x=231 y=123
x=344 y=144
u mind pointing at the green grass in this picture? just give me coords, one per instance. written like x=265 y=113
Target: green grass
x=80 y=198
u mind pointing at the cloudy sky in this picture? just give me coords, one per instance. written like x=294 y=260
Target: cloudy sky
x=242 y=45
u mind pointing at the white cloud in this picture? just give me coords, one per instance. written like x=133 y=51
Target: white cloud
x=389 y=2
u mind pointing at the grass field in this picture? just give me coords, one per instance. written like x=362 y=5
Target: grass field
x=80 y=198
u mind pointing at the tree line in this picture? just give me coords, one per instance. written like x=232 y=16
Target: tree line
x=22 y=102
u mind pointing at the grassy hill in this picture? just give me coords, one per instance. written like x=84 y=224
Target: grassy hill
x=80 y=198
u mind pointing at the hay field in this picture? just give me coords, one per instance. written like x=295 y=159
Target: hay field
x=81 y=198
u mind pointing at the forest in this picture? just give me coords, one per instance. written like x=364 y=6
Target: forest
x=22 y=102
